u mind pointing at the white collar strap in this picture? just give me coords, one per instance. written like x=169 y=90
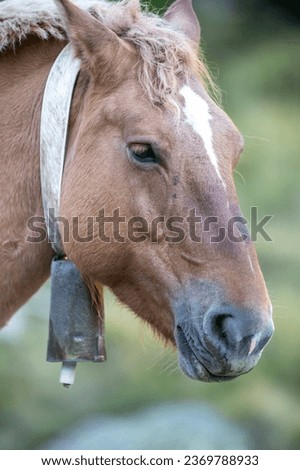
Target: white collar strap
x=56 y=108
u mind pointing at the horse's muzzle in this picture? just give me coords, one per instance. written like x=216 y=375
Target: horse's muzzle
x=223 y=343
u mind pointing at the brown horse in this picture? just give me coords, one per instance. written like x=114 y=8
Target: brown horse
x=149 y=161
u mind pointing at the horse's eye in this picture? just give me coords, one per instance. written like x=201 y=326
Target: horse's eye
x=143 y=153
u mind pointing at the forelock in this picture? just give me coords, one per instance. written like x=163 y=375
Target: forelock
x=166 y=58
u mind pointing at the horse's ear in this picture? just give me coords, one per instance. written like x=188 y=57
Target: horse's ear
x=182 y=15
x=134 y=6
x=93 y=42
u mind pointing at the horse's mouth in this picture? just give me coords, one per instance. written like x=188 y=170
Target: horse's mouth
x=190 y=362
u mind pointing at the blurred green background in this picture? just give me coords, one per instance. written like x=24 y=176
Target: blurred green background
x=253 y=50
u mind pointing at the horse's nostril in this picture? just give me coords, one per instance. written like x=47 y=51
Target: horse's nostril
x=219 y=328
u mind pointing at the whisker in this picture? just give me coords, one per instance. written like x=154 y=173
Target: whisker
x=254 y=137
x=241 y=176
x=170 y=369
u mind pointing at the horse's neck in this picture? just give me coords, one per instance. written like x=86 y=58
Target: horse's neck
x=24 y=266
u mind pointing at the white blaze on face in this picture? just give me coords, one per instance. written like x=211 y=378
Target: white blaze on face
x=198 y=116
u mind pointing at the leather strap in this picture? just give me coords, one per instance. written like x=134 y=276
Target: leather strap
x=56 y=108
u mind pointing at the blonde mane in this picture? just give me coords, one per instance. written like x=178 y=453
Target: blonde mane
x=166 y=55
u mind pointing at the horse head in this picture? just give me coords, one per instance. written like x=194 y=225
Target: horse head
x=149 y=181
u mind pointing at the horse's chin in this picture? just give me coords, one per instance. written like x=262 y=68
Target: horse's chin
x=194 y=369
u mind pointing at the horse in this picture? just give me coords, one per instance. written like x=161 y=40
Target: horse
x=147 y=183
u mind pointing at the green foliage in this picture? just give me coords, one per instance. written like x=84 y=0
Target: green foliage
x=260 y=80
